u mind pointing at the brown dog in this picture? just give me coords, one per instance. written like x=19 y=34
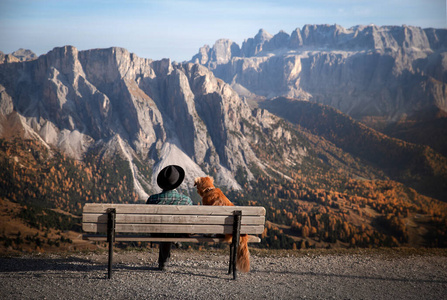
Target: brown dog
x=214 y=196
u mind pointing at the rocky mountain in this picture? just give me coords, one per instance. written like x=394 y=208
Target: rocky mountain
x=379 y=75
x=155 y=110
x=18 y=55
x=24 y=54
x=153 y=113
x=96 y=125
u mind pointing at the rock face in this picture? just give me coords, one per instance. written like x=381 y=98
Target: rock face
x=386 y=72
x=16 y=56
x=156 y=111
x=24 y=54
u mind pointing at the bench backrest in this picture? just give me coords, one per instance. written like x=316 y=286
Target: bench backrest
x=143 y=218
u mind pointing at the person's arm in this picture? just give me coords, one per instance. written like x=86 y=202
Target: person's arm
x=152 y=200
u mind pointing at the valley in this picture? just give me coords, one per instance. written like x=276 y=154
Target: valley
x=338 y=133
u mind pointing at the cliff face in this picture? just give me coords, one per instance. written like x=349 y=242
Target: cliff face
x=19 y=55
x=366 y=71
x=108 y=103
x=126 y=118
x=154 y=110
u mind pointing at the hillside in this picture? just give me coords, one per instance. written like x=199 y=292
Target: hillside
x=97 y=125
x=418 y=166
x=429 y=132
x=391 y=78
x=316 y=203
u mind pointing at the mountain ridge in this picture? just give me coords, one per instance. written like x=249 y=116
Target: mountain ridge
x=397 y=158
x=78 y=102
x=387 y=73
x=153 y=111
x=97 y=125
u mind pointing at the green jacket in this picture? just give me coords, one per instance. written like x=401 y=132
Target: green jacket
x=171 y=197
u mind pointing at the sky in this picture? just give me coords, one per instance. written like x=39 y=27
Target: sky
x=176 y=29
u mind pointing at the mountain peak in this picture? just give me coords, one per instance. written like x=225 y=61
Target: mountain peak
x=79 y=100
x=363 y=59
x=24 y=54
x=222 y=52
x=263 y=36
x=17 y=56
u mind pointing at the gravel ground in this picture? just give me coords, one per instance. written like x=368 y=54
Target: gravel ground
x=203 y=275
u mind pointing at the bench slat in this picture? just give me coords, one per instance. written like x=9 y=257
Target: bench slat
x=173 y=209
x=168 y=228
x=192 y=239
x=172 y=219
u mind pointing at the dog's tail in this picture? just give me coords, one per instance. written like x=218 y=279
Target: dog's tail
x=243 y=255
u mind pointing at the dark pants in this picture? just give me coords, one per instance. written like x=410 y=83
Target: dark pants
x=164 y=254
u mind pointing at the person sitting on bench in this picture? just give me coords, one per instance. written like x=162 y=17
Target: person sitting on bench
x=168 y=180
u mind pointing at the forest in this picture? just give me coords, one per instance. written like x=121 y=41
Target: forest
x=310 y=208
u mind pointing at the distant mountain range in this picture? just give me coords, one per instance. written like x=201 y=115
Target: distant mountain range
x=19 y=55
x=382 y=76
x=278 y=121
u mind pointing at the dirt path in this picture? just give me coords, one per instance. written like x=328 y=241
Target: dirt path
x=203 y=275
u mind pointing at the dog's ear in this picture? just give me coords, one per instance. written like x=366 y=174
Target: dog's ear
x=211 y=179
x=196 y=181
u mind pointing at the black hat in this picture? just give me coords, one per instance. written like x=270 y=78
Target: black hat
x=170 y=177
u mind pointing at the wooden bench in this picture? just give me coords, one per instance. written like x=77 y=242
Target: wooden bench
x=135 y=222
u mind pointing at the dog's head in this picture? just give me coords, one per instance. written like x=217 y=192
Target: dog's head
x=203 y=184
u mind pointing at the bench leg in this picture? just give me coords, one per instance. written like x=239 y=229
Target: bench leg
x=235 y=242
x=234 y=257
x=230 y=269
x=109 y=273
x=110 y=237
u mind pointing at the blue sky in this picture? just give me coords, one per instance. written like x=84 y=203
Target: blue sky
x=177 y=29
